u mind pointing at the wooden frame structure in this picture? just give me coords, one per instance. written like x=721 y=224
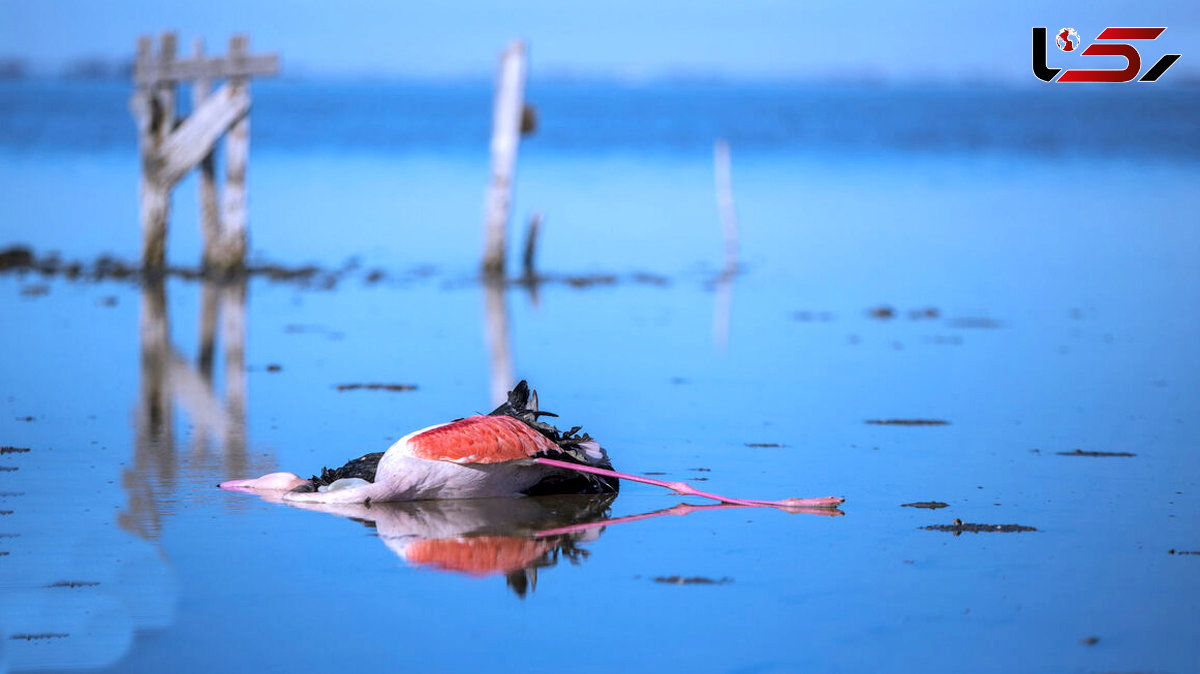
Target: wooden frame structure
x=170 y=147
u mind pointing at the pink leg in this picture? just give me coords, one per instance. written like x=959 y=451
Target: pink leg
x=688 y=490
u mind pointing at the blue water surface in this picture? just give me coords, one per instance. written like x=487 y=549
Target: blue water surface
x=1039 y=260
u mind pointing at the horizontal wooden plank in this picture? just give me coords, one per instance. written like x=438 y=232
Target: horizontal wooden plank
x=195 y=137
x=149 y=72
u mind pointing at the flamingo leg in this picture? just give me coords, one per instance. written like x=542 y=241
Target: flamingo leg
x=686 y=489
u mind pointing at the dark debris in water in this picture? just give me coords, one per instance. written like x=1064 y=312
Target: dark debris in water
x=1080 y=452
x=397 y=388
x=7 y=449
x=929 y=505
x=974 y=322
x=74 y=583
x=1089 y=641
x=959 y=527
x=691 y=580
x=775 y=445
x=589 y=280
x=8 y=469
x=646 y=278
x=297 y=329
x=908 y=422
x=1173 y=551
x=38 y=636
x=885 y=312
x=15 y=257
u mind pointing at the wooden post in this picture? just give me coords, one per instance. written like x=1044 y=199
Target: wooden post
x=506 y=135
x=529 y=277
x=531 y=235
x=210 y=218
x=231 y=253
x=154 y=106
x=724 y=184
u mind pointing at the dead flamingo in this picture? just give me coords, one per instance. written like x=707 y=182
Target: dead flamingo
x=509 y=452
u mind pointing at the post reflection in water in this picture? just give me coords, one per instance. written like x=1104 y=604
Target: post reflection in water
x=496 y=334
x=167 y=378
x=723 y=308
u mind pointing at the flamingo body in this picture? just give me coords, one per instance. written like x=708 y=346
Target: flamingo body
x=480 y=456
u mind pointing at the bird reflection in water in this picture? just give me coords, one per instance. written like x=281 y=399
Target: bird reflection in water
x=483 y=537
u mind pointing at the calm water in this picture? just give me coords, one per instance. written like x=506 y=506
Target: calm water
x=1054 y=236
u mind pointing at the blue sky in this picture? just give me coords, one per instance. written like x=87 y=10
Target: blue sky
x=934 y=40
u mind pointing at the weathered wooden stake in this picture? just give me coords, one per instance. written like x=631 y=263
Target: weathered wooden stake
x=506 y=134
x=723 y=177
x=155 y=110
x=210 y=217
x=531 y=235
x=724 y=184
x=229 y=253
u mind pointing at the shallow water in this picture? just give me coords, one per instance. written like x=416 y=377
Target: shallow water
x=1064 y=291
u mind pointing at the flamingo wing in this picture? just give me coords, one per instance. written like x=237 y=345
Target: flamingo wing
x=480 y=439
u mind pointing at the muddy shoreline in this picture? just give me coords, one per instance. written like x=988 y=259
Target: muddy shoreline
x=22 y=260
